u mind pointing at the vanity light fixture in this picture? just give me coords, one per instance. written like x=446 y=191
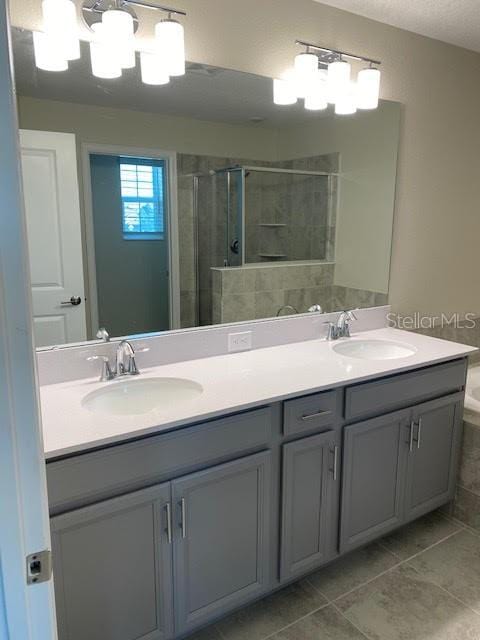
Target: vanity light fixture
x=321 y=75
x=113 y=46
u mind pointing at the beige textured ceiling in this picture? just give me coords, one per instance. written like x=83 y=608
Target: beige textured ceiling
x=453 y=21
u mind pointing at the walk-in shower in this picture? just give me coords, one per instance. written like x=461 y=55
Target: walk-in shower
x=248 y=214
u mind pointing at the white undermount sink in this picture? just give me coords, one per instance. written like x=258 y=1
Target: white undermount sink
x=373 y=349
x=134 y=396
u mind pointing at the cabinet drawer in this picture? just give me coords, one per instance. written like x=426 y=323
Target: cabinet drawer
x=395 y=392
x=310 y=412
x=90 y=477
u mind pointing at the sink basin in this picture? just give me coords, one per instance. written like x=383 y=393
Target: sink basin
x=135 y=396
x=374 y=349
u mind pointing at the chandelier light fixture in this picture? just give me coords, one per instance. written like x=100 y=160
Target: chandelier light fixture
x=323 y=76
x=113 y=44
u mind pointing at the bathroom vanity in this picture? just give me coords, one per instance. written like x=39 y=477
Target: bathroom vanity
x=157 y=531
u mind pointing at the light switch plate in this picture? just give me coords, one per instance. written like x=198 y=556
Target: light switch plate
x=239 y=341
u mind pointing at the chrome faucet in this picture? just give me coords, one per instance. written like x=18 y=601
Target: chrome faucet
x=285 y=307
x=126 y=365
x=340 y=329
x=343 y=323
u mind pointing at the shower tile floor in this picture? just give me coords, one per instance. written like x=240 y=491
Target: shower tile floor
x=419 y=583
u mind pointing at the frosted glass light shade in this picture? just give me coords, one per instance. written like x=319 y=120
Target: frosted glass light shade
x=338 y=80
x=305 y=63
x=153 y=69
x=317 y=99
x=103 y=56
x=170 y=41
x=346 y=103
x=47 y=54
x=284 y=91
x=60 y=25
x=118 y=31
x=119 y=23
x=368 y=88
x=305 y=67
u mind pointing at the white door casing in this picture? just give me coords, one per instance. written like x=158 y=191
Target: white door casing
x=26 y=611
x=50 y=184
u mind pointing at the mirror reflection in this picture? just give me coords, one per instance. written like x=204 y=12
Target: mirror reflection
x=200 y=202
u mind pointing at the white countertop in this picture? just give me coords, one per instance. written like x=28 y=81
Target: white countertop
x=230 y=383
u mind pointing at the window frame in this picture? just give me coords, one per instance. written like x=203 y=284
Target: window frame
x=159 y=186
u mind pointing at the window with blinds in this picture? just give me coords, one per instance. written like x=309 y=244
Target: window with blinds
x=142 y=185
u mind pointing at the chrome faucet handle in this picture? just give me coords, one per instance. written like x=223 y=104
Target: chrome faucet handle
x=343 y=323
x=102 y=334
x=107 y=373
x=332 y=331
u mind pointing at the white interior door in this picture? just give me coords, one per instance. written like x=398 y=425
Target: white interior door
x=50 y=186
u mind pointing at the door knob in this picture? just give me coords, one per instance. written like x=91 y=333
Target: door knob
x=74 y=301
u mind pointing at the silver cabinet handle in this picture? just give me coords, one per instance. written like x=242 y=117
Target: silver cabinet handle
x=335 y=463
x=318 y=414
x=168 y=529
x=183 y=523
x=419 y=433
x=412 y=429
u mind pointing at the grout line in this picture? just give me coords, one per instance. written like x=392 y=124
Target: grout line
x=359 y=586
x=395 y=566
x=405 y=561
x=419 y=553
x=464 y=604
x=324 y=595
x=385 y=548
x=340 y=612
x=290 y=624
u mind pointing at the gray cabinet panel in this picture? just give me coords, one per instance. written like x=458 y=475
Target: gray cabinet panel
x=221 y=548
x=433 y=461
x=308 y=480
x=374 y=460
x=403 y=390
x=90 y=477
x=113 y=569
x=313 y=412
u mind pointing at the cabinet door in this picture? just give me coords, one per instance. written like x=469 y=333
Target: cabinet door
x=112 y=567
x=310 y=472
x=432 y=464
x=374 y=467
x=222 y=538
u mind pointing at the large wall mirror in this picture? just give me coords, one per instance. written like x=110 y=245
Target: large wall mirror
x=201 y=202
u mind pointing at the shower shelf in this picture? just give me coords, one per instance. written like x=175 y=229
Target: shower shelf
x=271 y=224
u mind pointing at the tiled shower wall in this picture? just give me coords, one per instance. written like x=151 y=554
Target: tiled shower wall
x=291 y=216
x=304 y=206
x=262 y=291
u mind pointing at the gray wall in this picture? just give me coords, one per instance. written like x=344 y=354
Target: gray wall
x=131 y=274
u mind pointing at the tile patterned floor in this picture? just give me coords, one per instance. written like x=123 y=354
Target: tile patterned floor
x=419 y=583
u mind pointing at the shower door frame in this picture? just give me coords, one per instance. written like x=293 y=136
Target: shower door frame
x=244 y=168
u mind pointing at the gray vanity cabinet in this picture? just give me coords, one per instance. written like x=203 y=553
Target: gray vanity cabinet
x=432 y=463
x=374 y=462
x=113 y=569
x=222 y=539
x=310 y=475
x=398 y=467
